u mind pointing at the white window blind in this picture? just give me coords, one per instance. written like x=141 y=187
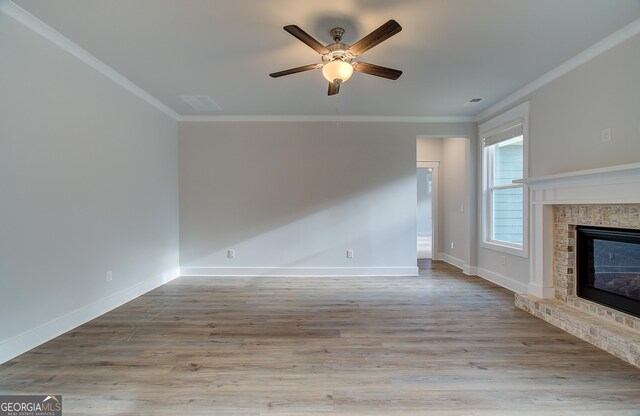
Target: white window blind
x=504 y=133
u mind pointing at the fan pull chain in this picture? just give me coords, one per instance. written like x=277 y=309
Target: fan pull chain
x=338 y=110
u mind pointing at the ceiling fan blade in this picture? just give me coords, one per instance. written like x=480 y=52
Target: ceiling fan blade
x=379 y=35
x=295 y=70
x=334 y=88
x=307 y=38
x=379 y=71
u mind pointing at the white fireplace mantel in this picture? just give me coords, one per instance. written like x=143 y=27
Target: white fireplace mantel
x=610 y=185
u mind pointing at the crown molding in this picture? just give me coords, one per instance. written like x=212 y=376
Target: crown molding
x=346 y=119
x=604 y=45
x=38 y=26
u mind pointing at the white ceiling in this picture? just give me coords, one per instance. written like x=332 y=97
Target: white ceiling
x=450 y=50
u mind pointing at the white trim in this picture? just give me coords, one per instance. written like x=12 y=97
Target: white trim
x=440 y=136
x=503 y=248
x=604 y=45
x=299 y=271
x=454 y=261
x=21 y=343
x=500 y=280
x=598 y=176
x=517 y=115
x=435 y=178
x=38 y=26
x=609 y=185
x=540 y=291
x=346 y=119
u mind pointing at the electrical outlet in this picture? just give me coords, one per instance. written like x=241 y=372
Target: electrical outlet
x=231 y=254
x=606 y=135
x=349 y=254
x=109 y=276
x=452 y=244
x=461 y=207
x=503 y=260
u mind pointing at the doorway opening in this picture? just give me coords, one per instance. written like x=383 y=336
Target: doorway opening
x=427 y=177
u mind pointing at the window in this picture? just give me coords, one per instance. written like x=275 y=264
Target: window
x=505 y=202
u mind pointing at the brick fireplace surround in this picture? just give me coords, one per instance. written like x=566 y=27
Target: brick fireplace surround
x=608 y=197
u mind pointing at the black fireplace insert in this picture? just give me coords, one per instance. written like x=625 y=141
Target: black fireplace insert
x=608 y=267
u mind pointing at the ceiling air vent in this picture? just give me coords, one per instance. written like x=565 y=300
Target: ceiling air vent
x=472 y=101
x=201 y=102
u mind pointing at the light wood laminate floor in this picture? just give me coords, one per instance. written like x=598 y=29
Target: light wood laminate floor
x=439 y=344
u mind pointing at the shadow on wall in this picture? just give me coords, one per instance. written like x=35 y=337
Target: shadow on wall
x=296 y=194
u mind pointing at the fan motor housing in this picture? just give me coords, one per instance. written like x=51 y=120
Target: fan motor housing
x=336 y=34
x=338 y=51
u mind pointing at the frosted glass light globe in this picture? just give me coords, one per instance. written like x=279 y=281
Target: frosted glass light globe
x=337 y=69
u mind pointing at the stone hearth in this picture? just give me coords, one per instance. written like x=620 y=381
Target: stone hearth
x=600 y=197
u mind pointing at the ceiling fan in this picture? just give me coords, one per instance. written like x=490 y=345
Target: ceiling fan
x=339 y=59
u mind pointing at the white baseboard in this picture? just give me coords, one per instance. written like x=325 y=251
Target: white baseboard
x=299 y=271
x=454 y=261
x=19 y=344
x=500 y=280
x=541 y=292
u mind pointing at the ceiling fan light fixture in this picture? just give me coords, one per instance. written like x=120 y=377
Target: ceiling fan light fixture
x=339 y=59
x=337 y=70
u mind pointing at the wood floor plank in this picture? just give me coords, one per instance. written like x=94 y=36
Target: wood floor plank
x=439 y=344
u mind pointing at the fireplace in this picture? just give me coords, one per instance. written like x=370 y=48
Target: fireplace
x=607 y=199
x=608 y=267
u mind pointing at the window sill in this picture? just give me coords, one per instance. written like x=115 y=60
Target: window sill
x=504 y=248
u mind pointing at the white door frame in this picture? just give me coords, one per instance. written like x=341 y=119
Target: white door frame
x=433 y=164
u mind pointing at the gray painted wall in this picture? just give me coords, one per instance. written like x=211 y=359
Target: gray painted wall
x=88 y=183
x=429 y=149
x=454 y=193
x=568 y=115
x=292 y=195
x=455 y=201
x=566 y=119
